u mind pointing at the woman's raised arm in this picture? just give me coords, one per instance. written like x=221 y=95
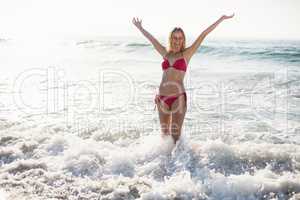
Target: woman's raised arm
x=189 y=52
x=160 y=48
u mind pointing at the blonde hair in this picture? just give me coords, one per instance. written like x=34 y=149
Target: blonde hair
x=176 y=29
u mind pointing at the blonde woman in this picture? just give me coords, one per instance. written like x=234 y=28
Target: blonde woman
x=171 y=100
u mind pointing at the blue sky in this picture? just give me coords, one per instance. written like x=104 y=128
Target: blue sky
x=65 y=18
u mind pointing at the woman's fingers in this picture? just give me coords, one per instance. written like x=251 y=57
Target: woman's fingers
x=228 y=16
x=136 y=21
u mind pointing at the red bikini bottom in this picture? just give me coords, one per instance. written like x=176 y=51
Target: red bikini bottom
x=169 y=100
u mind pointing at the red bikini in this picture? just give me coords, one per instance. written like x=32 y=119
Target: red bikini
x=169 y=100
x=179 y=64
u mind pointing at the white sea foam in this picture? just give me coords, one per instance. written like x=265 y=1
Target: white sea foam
x=3 y=195
x=236 y=142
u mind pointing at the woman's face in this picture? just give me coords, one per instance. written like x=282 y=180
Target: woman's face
x=177 y=41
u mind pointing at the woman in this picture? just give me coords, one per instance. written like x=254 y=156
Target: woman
x=171 y=100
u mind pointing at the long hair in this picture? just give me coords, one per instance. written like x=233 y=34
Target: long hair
x=170 y=38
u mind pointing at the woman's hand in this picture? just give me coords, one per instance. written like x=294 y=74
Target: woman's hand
x=137 y=22
x=227 y=16
x=160 y=48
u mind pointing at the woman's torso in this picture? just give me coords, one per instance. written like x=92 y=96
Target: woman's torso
x=173 y=75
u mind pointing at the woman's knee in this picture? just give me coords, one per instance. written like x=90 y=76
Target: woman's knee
x=176 y=129
x=176 y=132
x=165 y=128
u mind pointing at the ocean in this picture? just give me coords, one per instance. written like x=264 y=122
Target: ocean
x=77 y=121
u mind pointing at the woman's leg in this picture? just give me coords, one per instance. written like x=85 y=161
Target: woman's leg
x=178 y=113
x=164 y=117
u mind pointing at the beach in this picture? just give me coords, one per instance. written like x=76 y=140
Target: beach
x=77 y=121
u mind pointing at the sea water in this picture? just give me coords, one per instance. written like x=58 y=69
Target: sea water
x=77 y=121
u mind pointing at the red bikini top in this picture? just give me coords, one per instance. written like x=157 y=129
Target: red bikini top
x=179 y=64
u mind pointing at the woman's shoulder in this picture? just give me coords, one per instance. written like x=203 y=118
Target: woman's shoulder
x=186 y=54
